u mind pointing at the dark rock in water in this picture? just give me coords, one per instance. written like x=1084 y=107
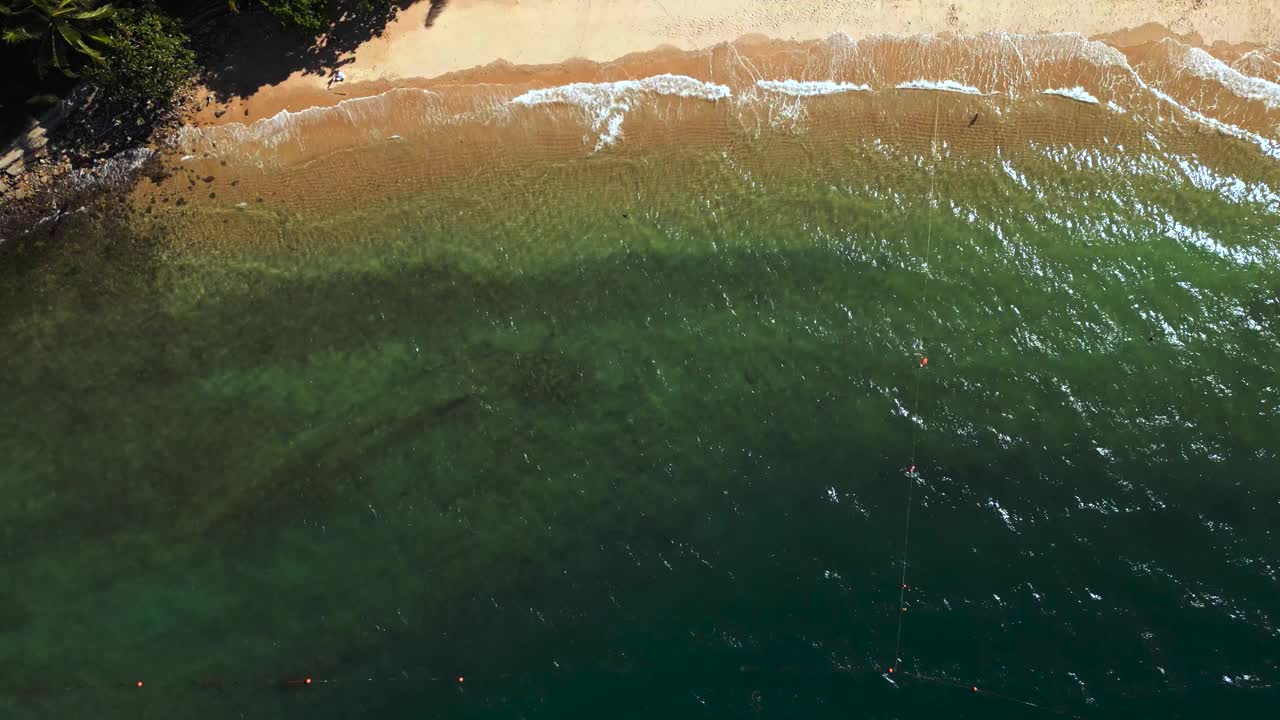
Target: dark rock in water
x=213 y=195
x=208 y=178
x=973 y=120
x=544 y=377
x=219 y=113
x=453 y=405
x=181 y=201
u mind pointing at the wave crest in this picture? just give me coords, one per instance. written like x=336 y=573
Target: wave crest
x=1075 y=93
x=810 y=88
x=607 y=103
x=940 y=85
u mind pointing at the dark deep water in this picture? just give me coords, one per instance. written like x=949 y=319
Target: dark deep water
x=628 y=437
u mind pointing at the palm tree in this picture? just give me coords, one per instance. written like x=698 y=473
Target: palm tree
x=59 y=26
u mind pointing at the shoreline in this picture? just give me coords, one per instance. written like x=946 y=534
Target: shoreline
x=474 y=39
x=1156 y=71
x=1055 y=90
x=467 y=52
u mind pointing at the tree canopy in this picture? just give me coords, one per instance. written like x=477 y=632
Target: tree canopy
x=136 y=58
x=67 y=34
x=148 y=64
x=142 y=53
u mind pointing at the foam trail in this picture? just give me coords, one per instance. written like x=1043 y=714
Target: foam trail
x=809 y=88
x=1113 y=107
x=941 y=85
x=1257 y=63
x=1074 y=93
x=606 y=104
x=1269 y=147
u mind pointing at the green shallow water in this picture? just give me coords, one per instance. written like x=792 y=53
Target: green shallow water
x=628 y=435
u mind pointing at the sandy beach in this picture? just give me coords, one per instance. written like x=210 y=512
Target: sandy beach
x=471 y=40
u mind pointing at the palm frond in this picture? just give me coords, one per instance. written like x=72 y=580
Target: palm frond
x=100 y=39
x=68 y=32
x=18 y=35
x=58 y=54
x=56 y=9
x=99 y=13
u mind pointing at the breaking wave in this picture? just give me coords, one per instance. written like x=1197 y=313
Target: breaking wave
x=810 y=88
x=1075 y=93
x=607 y=103
x=940 y=85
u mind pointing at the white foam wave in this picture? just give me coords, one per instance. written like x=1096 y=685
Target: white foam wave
x=1075 y=93
x=809 y=88
x=116 y=172
x=1009 y=68
x=1204 y=65
x=367 y=116
x=1269 y=147
x=941 y=85
x=607 y=103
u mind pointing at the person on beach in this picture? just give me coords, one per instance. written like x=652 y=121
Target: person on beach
x=337 y=77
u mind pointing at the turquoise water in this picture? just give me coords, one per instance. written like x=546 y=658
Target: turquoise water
x=628 y=434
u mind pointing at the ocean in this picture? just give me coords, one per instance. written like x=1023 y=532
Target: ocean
x=884 y=378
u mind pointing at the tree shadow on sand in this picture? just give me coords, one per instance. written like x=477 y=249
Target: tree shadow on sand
x=243 y=52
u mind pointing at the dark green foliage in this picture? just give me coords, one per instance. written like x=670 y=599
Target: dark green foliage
x=310 y=15
x=150 y=63
x=62 y=31
x=138 y=54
